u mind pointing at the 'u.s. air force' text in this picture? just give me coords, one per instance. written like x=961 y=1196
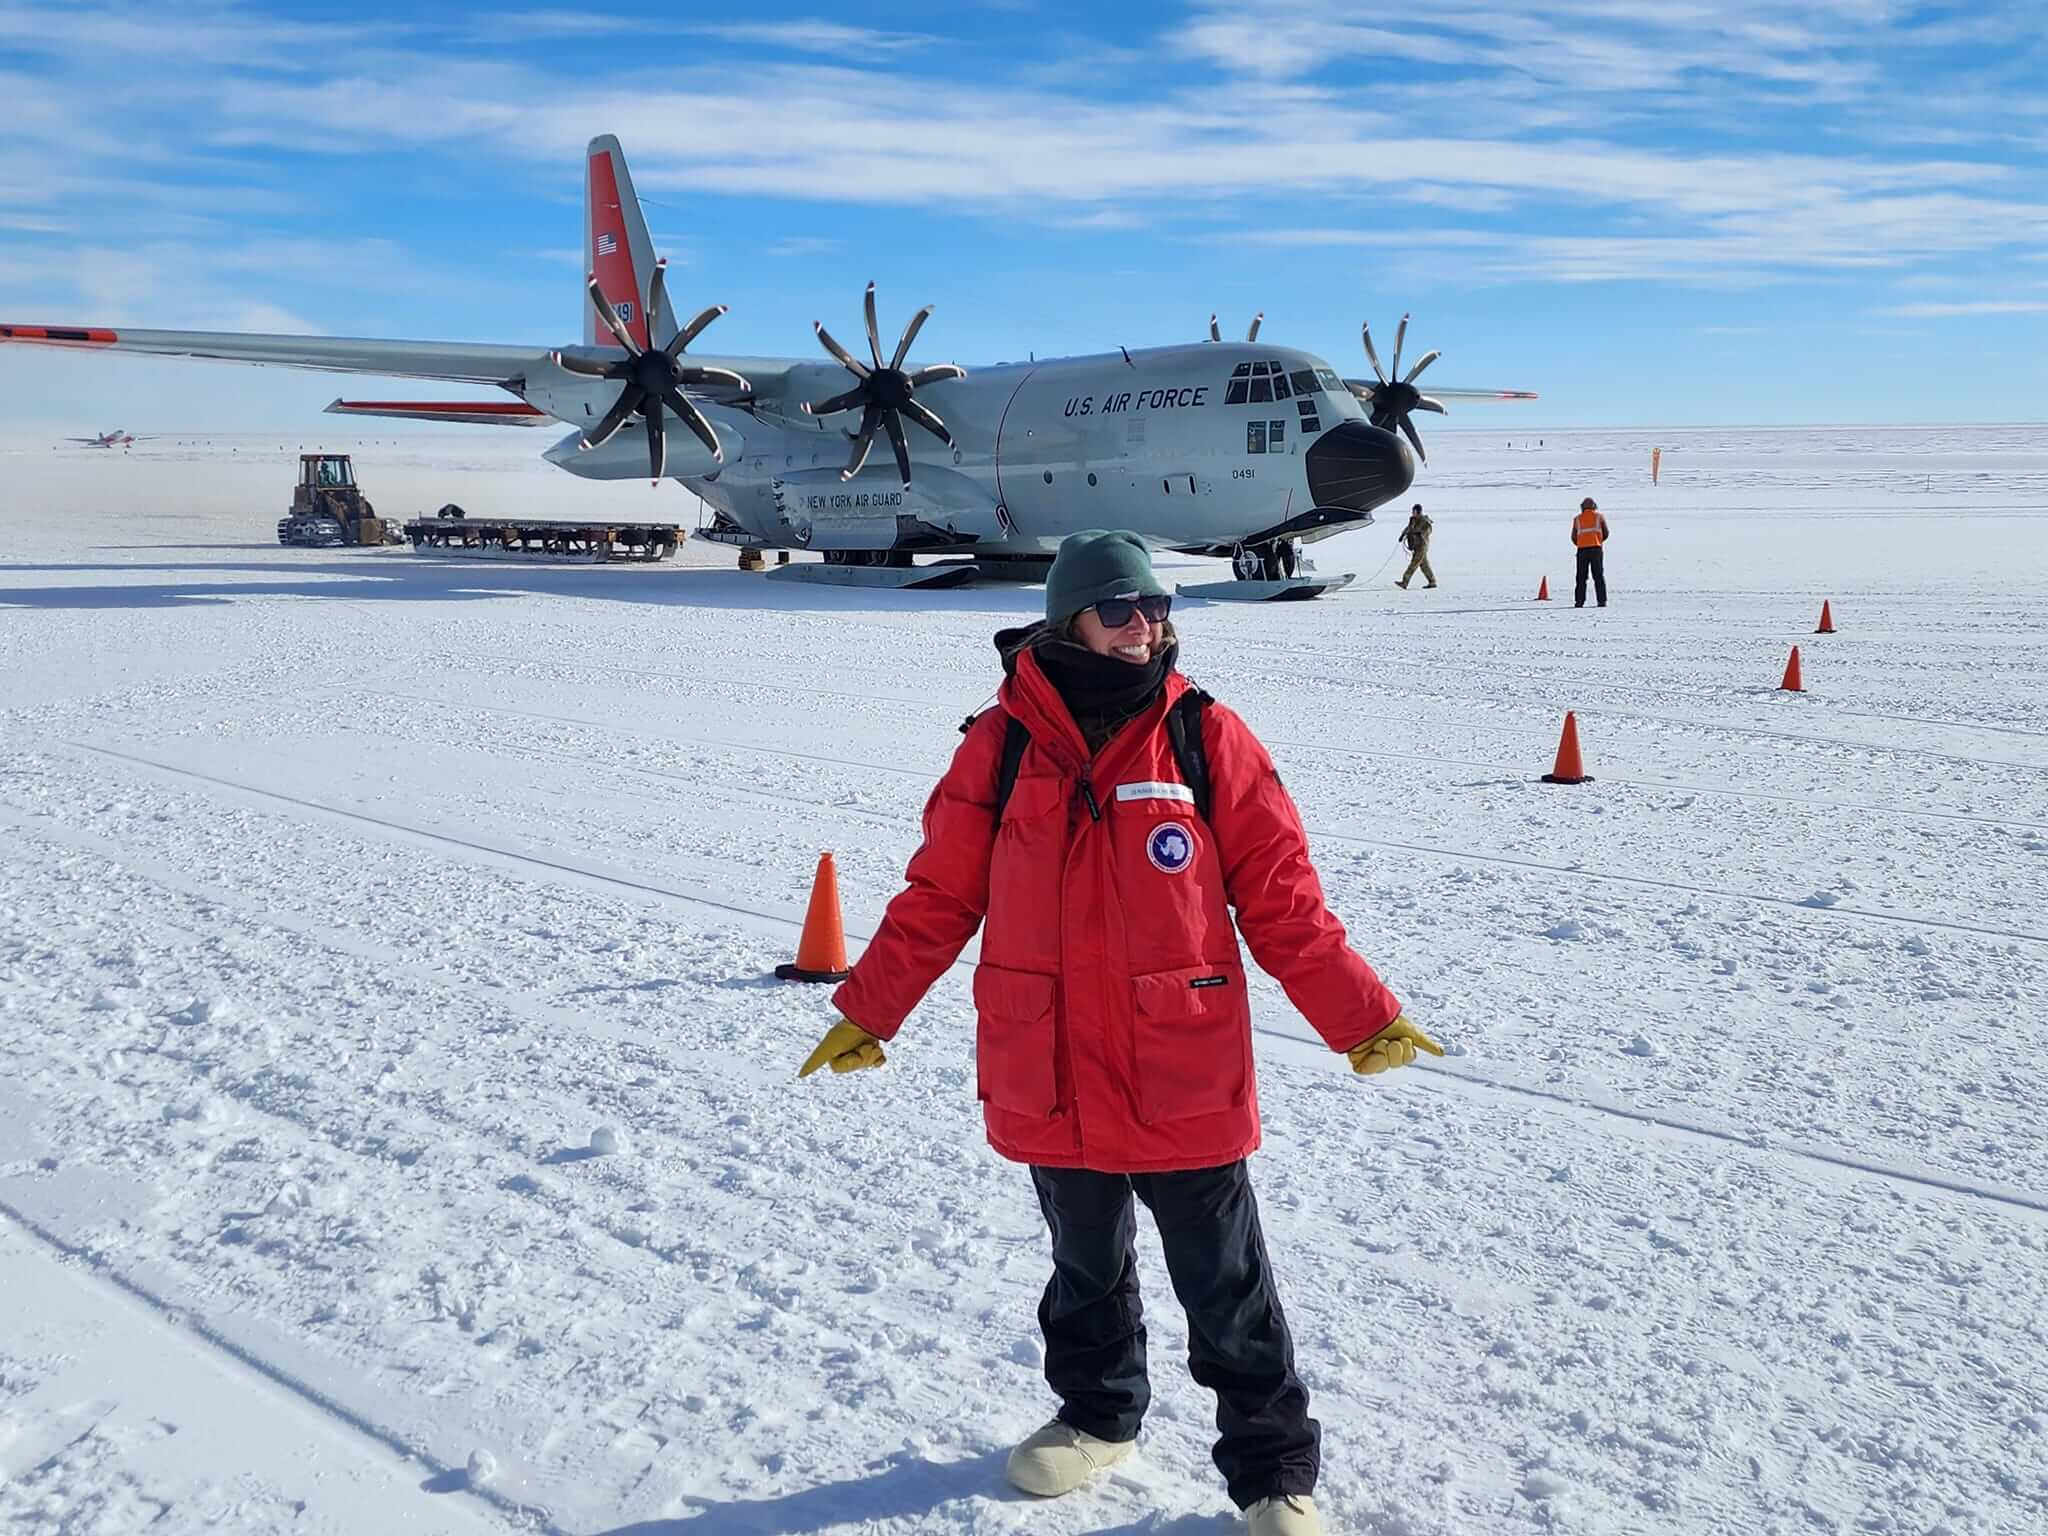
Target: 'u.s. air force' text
x=1138 y=400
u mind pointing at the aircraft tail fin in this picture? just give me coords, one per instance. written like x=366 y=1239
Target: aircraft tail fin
x=616 y=246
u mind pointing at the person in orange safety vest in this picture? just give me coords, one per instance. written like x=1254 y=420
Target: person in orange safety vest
x=1589 y=537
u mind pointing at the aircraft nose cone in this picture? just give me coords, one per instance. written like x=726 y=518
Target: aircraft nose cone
x=1358 y=466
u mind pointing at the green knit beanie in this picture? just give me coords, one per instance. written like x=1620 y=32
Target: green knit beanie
x=1095 y=564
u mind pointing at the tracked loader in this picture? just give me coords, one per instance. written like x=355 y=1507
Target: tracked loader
x=328 y=508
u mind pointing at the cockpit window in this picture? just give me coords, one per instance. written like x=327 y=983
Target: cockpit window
x=1269 y=380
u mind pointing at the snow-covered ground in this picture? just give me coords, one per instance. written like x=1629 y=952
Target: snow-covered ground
x=346 y=895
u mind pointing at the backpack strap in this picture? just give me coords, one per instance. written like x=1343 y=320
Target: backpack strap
x=1015 y=739
x=1184 y=734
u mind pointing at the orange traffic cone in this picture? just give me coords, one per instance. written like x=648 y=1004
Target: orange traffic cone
x=1569 y=770
x=1792 y=683
x=1827 y=619
x=1543 y=590
x=821 y=952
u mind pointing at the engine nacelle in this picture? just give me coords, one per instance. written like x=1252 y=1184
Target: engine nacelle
x=625 y=456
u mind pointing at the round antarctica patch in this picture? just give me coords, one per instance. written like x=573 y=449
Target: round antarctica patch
x=1170 y=847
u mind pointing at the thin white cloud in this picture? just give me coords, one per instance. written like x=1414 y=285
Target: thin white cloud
x=802 y=245
x=1594 y=49
x=185 y=285
x=1935 y=311
x=223 y=33
x=1521 y=123
x=815 y=36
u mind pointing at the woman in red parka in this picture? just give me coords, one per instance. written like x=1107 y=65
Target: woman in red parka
x=1113 y=1050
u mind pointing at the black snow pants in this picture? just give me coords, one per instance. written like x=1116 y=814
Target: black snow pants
x=1593 y=559
x=1238 y=1344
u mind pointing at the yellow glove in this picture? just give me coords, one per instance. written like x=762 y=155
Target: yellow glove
x=1394 y=1046
x=845 y=1048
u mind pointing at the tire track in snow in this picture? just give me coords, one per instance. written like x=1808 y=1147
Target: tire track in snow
x=488 y=850
x=1468 y=855
x=169 y=1314
x=1762 y=1144
x=1786 y=797
x=739 y=1217
x=1517 y=771
x=1643 y=1118
x=1706 y=691
x=1796 y=904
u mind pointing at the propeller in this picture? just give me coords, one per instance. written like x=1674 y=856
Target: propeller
x=884 y=393
x=652 y=377
x=1250 y=335
x=1397 y=396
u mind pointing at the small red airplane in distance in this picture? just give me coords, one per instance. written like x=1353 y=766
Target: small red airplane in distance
x=114 y=439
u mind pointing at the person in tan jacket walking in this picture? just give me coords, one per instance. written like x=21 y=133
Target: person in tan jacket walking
x=1415 y=534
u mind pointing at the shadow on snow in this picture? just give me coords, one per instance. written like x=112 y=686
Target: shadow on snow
x=906 y=1489
x=382 y=577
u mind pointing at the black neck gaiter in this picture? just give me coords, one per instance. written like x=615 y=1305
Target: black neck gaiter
x=1101 y=692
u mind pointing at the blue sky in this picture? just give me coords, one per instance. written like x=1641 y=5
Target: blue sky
x=1729 y=211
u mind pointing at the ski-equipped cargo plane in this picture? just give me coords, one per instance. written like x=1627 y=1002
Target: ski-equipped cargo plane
x=1239 y=449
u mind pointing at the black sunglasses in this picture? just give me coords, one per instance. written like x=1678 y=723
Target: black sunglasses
x=1115 y=612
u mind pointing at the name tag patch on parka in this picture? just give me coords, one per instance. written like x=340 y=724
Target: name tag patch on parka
x=1170 y=847
x=1156 y=791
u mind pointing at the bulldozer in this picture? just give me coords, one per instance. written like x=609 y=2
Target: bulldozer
x=328 y=508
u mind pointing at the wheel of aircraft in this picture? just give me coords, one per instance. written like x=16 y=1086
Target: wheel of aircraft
x=1246 y=563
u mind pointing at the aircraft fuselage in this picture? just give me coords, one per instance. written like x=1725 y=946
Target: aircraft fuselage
x=1199 y=447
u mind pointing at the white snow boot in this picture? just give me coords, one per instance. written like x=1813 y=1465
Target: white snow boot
x=1059 y=1458
x=1291 y=1514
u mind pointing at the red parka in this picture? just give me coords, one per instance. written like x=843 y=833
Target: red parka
x=1114 y=1025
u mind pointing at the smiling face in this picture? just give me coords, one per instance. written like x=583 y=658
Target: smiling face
x=1135 y=641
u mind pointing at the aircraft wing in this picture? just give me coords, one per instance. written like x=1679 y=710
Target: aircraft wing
x=456 y=361
x=1365 y=389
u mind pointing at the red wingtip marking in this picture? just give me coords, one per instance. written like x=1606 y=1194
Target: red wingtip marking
x=59 y=335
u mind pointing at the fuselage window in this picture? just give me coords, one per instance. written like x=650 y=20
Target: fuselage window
x=1276 y=434
x=1255 y=437
x=1310 y=424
